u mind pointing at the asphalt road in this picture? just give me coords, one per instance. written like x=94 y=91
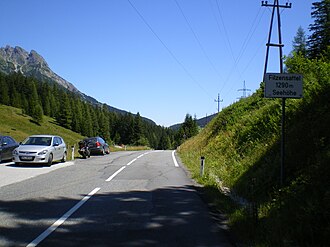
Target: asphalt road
x=123 y=199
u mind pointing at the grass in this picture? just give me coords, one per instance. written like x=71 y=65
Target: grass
x=241 y=147
x=20 y=126
x=128 y=148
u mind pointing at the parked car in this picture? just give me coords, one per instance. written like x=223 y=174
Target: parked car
x=97 y=145
x=7 y=146
x=40 y=149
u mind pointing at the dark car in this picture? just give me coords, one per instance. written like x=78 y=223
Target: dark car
x=7 y=146
x=97 y=145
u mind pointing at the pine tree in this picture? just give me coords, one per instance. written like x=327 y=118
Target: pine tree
x=53 y=101
x=299 y=42
x=87 y=127
x=189 y=126
x=76 y=106
x=37 y=114
x=138 y=136
x=112 y=121
x=104 y=123
x=16 y=98
x=25 y=105
x=116 y=138
x=319 y=40
x=64 y=115
x=53 y=105
x=95 y=123
x=4 y=92
x=45 y=99
x=164 y=142
x=34 y=109
x=125 y=128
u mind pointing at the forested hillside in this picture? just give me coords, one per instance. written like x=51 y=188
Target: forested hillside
x=241 y=147
x=37 y=98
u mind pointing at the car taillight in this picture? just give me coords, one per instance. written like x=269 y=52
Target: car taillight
x=98 y=144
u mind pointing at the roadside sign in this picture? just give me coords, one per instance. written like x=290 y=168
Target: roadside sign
x=283 y=85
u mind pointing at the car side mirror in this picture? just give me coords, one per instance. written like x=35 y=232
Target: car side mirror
x=56 y=144
x=4 y=144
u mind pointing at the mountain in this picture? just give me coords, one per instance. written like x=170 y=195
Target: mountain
x=202 y=122
x=17 y=60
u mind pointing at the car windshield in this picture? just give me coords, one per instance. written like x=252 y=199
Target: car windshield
x=39 y=141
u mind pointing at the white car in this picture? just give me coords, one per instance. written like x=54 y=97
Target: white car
x=40 y=149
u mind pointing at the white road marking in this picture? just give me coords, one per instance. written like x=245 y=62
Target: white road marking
x=174 y=159
x=141 y=156
x=60 y=221
x=129 y=163
x=115 y=174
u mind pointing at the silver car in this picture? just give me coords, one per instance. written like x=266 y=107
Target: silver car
x=40 y=149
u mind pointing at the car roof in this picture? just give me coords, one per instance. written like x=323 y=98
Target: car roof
x=43 y=136
x=6 y=136
x=90 y=138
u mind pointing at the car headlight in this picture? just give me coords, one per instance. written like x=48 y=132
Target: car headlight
x=42 y=152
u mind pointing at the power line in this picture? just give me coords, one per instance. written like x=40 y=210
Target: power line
x=226 y=33
x=250 y=34
x=166 y=47
x=198 y=41
x=254 y=55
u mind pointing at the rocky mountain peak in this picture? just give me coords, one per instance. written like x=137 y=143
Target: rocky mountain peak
x=15 y=55
x=35 y=58
x=17 y=60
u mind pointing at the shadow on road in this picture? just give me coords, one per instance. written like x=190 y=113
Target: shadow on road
x=32 y=165
x=170 y=216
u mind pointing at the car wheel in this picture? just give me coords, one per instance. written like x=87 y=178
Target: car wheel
x=50 y=160
x=64 y=157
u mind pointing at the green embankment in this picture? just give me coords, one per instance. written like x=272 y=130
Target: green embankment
x=20 y=126
x=242 y=151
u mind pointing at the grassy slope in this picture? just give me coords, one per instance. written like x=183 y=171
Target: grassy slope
x=19 y=126
x=241 y=148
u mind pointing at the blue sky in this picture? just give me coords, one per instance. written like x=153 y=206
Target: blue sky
x=161 y=58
